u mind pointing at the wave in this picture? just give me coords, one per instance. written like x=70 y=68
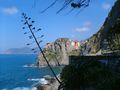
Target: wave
x=33 y=79
x=29 y=65
x=40 y=81
x=22 y=88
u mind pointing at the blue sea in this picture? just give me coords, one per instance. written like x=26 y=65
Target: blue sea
x=13 y=74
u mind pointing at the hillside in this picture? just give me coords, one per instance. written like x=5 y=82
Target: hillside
x=96 y=42
x=24 y=50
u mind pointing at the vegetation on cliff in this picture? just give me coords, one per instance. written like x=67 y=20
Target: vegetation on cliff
x=114 y=36
x=110 y=31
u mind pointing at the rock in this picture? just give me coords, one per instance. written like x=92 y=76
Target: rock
x=40 y=87
x=57 y=52
x=52 y=85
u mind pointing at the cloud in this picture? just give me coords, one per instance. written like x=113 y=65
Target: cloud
x=106 y=6
x=9 y=10
x=82 y=29
x=85 y=27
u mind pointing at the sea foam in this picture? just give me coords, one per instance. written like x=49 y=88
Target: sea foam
x=22 y=88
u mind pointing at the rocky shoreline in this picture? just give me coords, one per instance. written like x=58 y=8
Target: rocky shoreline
x=49 y=83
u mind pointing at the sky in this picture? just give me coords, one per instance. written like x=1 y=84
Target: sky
x=80 y=24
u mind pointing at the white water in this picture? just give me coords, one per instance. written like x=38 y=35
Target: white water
x=21 y=88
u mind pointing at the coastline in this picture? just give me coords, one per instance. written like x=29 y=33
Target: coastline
x=52 y=83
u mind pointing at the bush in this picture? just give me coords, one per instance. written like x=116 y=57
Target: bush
x=92 y=75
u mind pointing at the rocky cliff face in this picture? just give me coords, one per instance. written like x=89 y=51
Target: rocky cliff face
x=96 y=42
x=57 y=52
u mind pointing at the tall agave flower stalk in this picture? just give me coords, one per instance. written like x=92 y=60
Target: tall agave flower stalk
x=29 y=23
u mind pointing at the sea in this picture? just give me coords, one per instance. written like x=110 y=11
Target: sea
x=15 y=76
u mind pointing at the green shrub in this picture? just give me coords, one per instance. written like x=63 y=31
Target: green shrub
x=91 y=75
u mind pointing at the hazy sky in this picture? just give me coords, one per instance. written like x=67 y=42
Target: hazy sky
x=72 y=25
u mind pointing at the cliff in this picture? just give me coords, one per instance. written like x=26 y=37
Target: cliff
x=108 y=37
x=96 y=43
x=58 y=51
